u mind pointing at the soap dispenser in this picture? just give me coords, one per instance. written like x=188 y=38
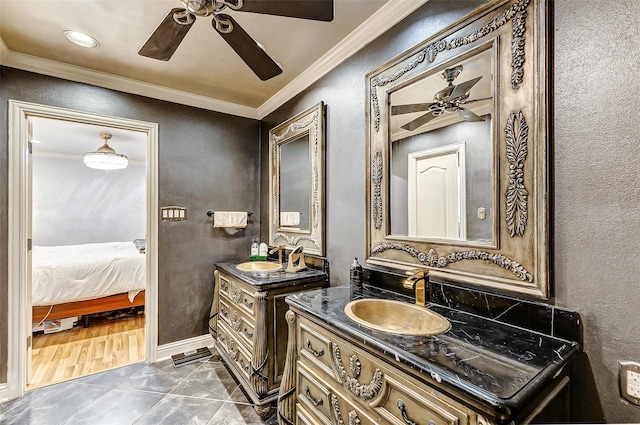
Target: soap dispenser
x=355 y=280
x=263 y=250
x=254 y=250
x=355 y=274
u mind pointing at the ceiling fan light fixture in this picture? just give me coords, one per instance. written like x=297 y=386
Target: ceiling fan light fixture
x=105 y=157
x=81 y=39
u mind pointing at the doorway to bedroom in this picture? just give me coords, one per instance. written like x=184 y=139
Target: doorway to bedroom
x=83 y=243
x=88 y=249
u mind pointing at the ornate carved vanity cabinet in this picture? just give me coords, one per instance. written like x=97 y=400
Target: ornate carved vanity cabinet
x=249 y=326
x=339 y=382
x=483 y=371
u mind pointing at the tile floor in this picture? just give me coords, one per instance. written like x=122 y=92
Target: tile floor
x=198 y=393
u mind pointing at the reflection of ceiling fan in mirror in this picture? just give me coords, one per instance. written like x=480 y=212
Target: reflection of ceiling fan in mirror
x=448 y=99
x=174 y=27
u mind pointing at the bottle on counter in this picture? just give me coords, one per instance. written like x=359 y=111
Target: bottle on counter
x=355 y=275
x=263 y=250
x=254 y=250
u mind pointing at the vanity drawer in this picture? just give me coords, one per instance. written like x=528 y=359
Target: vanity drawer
x=242 y=326
x=400 y=403
x=305 y=418
x=313 y=394
x=314 y=346
x=239 y=356
x=334 y=409
x=241 y=295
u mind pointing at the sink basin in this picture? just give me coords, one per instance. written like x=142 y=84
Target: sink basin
x=258 y=266
x=396 y=317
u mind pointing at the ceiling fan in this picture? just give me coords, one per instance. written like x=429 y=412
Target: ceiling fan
x=448 y=99
x=174 y=27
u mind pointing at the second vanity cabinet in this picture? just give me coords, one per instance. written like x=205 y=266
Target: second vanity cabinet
x=249 y=327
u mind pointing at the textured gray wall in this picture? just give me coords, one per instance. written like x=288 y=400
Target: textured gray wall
x=597 y=189
x=595 y=165
x=207 y=160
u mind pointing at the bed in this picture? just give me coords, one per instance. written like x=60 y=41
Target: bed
x=74 y=280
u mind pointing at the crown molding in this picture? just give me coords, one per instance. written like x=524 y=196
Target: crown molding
x=377 y=24
x=4 y=51
x=380 y=22
x=114 y=82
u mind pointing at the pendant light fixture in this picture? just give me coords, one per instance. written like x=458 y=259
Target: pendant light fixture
x=105 y=157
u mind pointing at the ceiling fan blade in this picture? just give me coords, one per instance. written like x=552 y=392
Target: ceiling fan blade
x=467 y=115
x=463 y=88
x=167 y=36
x=418 y=122
x=248 y=50
x=407 y=109
x=317 y=10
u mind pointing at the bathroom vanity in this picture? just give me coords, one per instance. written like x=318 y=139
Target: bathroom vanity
x=248 y=324
x=482 y=371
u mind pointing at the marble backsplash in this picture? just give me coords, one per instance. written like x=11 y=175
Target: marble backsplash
x=528 y=314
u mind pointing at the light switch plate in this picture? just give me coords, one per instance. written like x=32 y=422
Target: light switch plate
x=630 y=381
x=173 y=213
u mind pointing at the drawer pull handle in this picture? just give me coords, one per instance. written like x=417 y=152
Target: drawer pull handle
x=318 y=353
x=405 y=417
x=313 y=401
x=247 y=303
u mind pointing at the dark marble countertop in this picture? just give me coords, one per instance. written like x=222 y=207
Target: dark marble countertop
x=497 y=365
x=267 y=280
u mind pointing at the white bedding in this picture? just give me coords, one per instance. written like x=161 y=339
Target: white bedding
x=62 y=274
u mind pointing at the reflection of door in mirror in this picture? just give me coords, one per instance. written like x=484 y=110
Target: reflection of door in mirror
x=436 y=193
x=295 y=186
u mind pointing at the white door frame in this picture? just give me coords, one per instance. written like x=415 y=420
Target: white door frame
x=19 y=331
x=413 y=157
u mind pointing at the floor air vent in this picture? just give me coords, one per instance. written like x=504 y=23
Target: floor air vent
x=191 y=356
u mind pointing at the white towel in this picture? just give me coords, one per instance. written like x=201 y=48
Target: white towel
x=289 y=218
x=236 y=219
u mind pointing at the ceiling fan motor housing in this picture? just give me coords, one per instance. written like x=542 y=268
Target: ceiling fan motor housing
x=199 y=7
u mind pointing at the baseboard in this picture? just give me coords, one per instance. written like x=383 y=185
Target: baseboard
x=167 y=350
x=4 y=394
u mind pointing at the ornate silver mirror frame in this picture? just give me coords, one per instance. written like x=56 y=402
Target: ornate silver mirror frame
x=306 y=227
x=517 y=257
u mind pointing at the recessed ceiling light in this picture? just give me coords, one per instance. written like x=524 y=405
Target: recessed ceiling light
x=81 y=39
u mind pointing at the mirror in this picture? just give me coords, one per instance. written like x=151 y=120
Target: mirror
x=441 y=145
x=296 y=201
x=457 y=152
x=295 y=184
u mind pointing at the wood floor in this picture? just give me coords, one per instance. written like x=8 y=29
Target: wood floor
x=105 y=344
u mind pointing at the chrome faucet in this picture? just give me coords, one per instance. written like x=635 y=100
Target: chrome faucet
x=418 y=281
x=280 y=249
